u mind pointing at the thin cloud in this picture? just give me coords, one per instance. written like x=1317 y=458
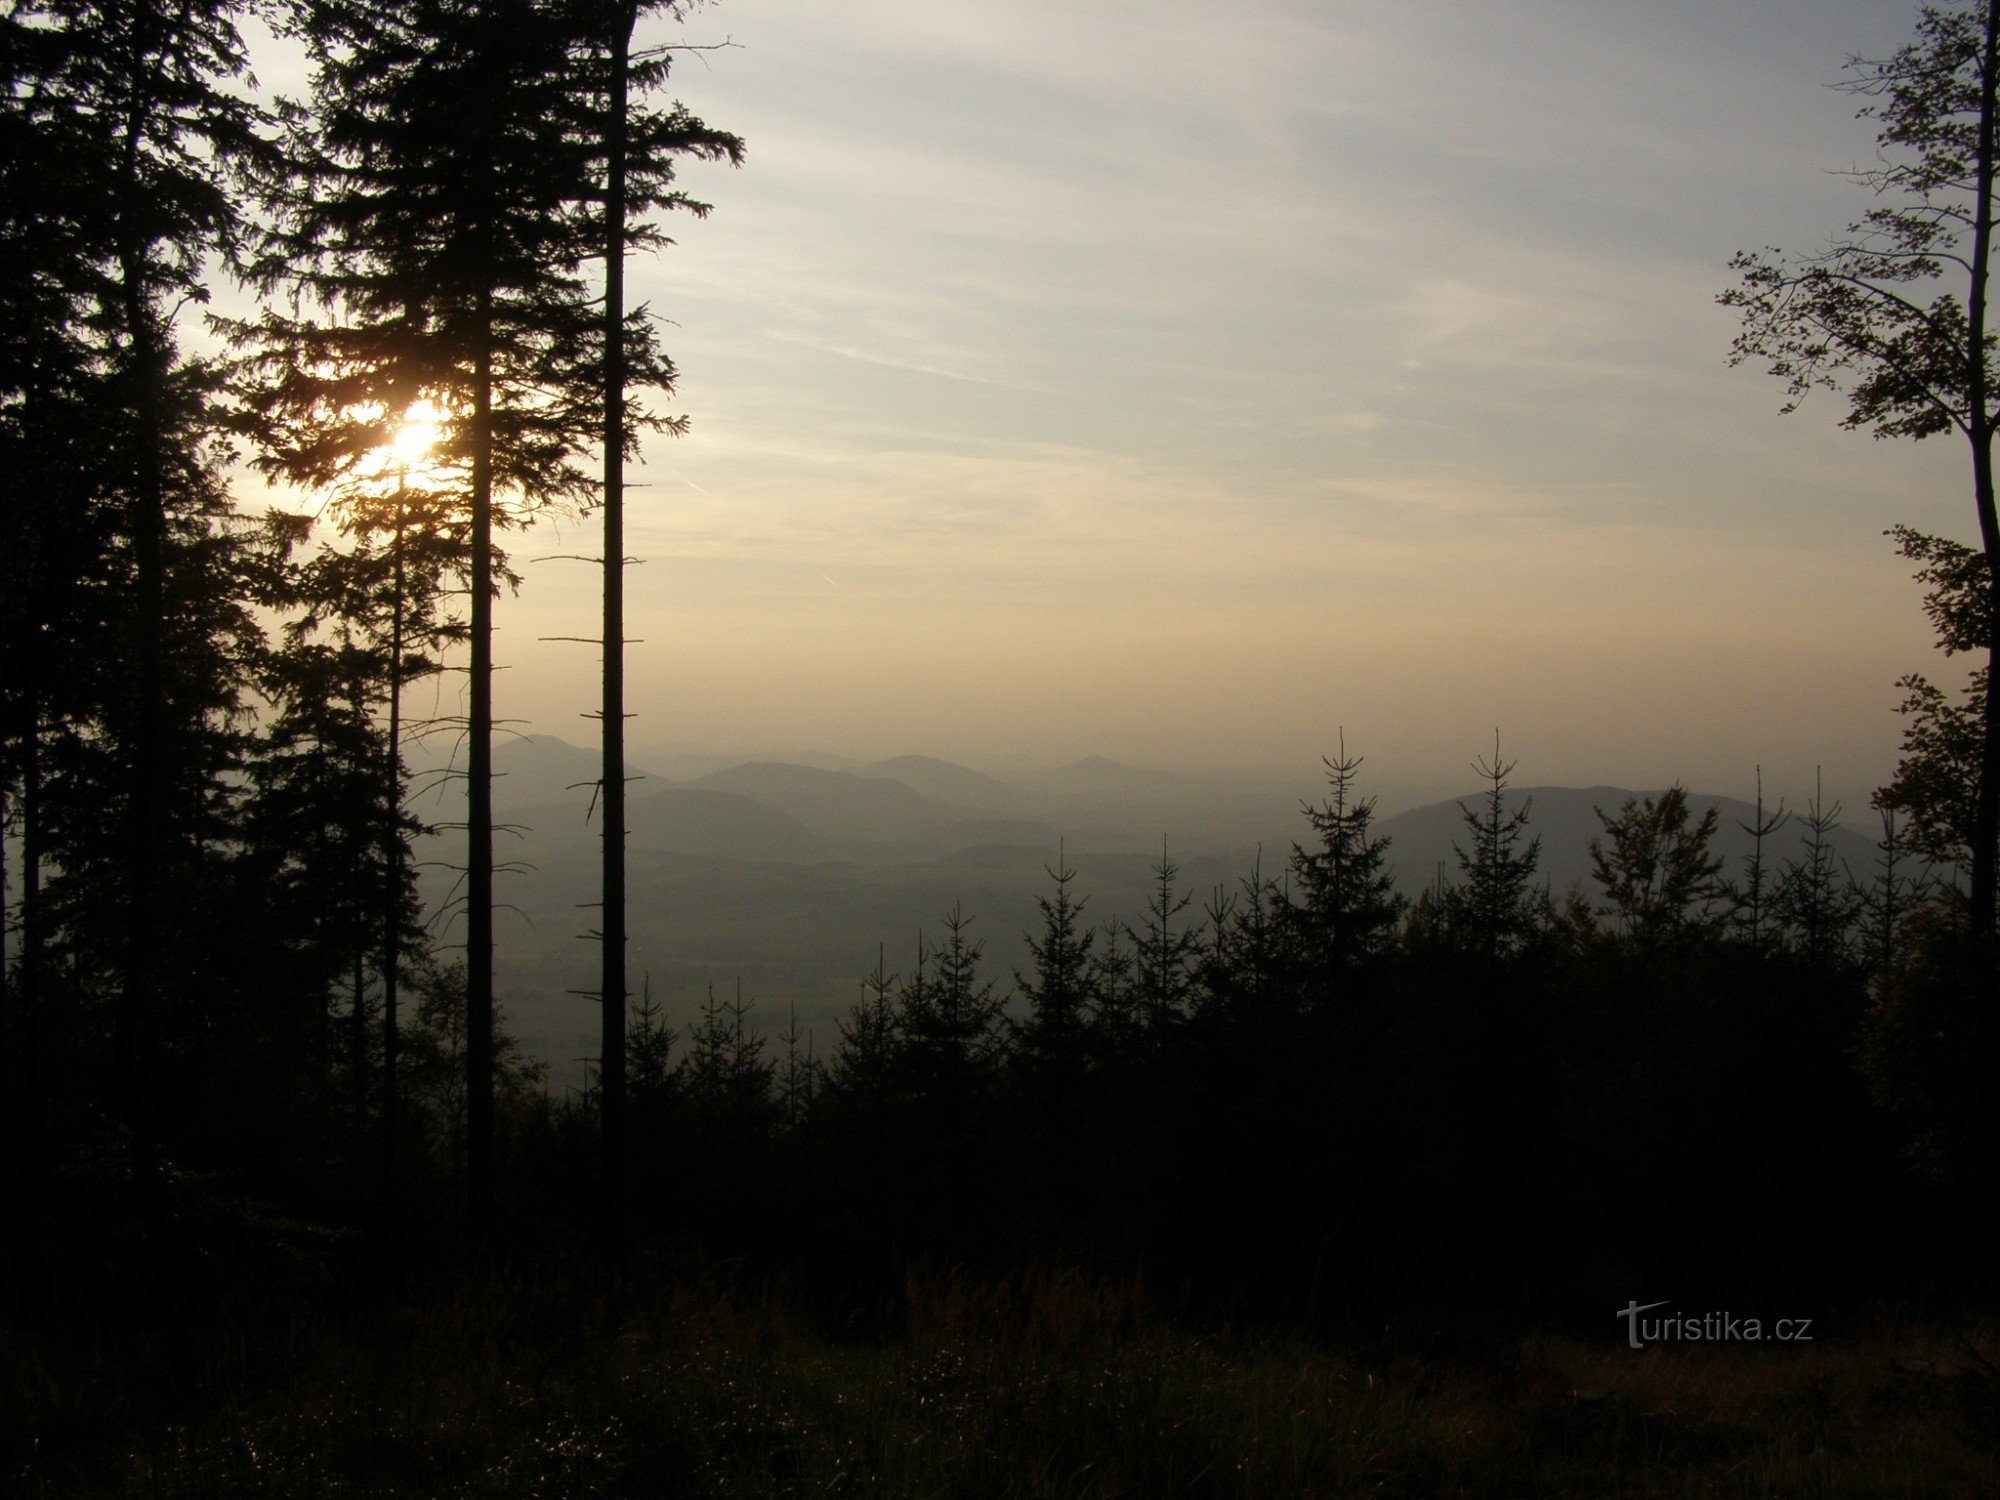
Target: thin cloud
x=888 y=361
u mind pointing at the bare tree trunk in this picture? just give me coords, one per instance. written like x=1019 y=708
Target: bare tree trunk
x=1986 y=807
x=612 y=986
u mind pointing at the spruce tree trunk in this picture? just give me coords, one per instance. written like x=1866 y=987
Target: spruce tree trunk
x=138 y=997
x=392 y=885
x=612 y=985
x=479 y=802
x=357 y=1020
x=322 y=920
x=6 y=974
x=27 y=995
x=1986 y=808
x=357 y=1041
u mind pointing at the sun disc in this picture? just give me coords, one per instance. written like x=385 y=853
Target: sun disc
x=416 y=435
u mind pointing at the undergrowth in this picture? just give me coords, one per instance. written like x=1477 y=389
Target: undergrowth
x=1048 y=1384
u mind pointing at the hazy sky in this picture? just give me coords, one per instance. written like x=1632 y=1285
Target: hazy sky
x=1180 y=382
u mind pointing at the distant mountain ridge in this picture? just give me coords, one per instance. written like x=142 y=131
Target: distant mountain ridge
x=922 y=808
x=838 y=803
x=946 y=781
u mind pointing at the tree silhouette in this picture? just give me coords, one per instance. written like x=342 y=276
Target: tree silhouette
x=1656 y=871
x=135 y=109
x=1897 y=313
x=862 y=1078
x=59 y=513
x=1937 y=777
x=1346 y=907
x=328 y=819
x=949 y=1014
x=726 y=1084
x=439 y=1096
x=316 y=799
x=1752 y=898
x=948 y=1059
x=1061 y=990
x=1892 y=899
x=1247 y=964
x=1164 y=955
x=1816 y=900
x=652 y=1051
x=1497 y=904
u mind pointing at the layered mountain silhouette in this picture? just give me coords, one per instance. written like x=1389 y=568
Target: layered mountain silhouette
x=918 y=808
x=947 y=782
x=838 y=803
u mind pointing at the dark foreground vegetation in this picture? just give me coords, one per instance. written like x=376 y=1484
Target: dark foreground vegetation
x=1317 y=1193
x=538 y=1383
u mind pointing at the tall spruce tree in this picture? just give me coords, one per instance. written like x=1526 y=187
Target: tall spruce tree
x=56 y=514
x=133 y=104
